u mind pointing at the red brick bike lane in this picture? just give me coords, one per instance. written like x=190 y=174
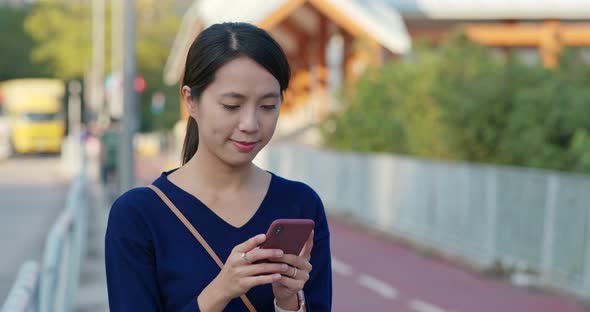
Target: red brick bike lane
x=375 y=273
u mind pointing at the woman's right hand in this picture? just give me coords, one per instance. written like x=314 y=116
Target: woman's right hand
x=239 y=274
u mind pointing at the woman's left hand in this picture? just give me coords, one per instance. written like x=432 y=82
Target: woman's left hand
x=285 y=290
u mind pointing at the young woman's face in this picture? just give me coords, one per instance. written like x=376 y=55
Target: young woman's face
x=238 y=112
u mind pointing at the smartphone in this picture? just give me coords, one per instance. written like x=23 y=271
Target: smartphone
x=289 y=235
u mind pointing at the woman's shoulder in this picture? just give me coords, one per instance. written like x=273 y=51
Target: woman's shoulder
x=303 y=198
x=133 y=199
x=298 y=188
x=299 y=196
x=132 y=208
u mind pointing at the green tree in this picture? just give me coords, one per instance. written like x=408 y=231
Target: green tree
x=461 y=101
x=13 y=62
x=549 y=125
x=392 y=110
x=473 y=92
x=63 y=36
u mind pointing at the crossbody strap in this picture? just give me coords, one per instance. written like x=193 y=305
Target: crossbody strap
x=198 y=236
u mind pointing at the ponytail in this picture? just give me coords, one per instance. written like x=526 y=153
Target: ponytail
x=191 y=140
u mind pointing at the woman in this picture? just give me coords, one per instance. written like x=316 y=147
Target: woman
x=233 y=85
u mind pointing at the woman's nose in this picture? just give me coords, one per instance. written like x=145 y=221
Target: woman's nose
x=249 y=121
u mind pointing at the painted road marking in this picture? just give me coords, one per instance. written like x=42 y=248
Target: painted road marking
x=341 y=267
x=421 y=306
x=378 y=286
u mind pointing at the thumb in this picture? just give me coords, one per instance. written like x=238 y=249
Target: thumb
x=251 y=243
x=306 y=251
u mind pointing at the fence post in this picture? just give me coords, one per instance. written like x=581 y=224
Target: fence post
x=382 y=192
x=63 y=264
x=549 y=226
x=50 y=268
x=491 y=213
x=586 y=279
x=80 y=232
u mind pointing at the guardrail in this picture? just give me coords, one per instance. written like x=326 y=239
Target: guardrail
x=53 y=285
x=22 y=296
x=64 y=250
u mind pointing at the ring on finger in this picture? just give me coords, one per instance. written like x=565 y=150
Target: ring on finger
x=294 y=272
x=244 y=256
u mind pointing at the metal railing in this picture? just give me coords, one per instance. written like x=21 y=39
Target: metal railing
x=22 y=296
x=64 y=251
x=52 y=285
x=532 y=221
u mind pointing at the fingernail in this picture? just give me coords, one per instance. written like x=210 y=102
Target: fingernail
x=276 y=277
x=279 y=253
x=284 y=267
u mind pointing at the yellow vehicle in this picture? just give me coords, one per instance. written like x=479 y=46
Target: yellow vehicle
x=34 y=109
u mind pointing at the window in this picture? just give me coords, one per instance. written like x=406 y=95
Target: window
x=40 y=117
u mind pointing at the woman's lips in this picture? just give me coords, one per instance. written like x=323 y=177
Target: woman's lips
x=244 y=146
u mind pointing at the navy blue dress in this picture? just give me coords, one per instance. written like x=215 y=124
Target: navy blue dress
x=153 y=263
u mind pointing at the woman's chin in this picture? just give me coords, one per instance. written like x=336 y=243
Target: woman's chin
x=240 y=160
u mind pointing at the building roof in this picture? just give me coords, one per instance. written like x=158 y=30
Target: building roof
x=378 y=18
x=494 y=9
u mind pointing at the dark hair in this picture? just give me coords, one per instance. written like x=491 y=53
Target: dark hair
x=214 y=47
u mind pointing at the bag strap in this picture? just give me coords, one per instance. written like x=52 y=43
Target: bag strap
x=198 y=236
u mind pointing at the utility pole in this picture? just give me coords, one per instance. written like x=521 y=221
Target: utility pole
x=74 y=109
x=115 y=109
x=97 y=80
x=129 y=120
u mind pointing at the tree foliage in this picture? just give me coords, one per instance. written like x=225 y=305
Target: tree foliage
x=13 y=62
x=463 y=101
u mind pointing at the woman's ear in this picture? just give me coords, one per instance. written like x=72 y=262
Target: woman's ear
x=189 y=103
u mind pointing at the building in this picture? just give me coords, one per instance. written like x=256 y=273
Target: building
x=538 y=29
x=320 y=38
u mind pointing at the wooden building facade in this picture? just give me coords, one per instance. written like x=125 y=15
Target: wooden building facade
x=327 y=42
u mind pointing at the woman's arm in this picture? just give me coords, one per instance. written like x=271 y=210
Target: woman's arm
x=130 y=263
x=318 y=290
x=131 y=275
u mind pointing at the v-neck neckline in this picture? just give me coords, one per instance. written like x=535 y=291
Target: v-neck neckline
x=221 y=220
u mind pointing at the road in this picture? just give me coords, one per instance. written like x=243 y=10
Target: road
x=32 y=193
x=379 y=274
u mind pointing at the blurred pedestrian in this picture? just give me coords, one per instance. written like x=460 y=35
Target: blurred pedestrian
x=233 y=85
x=109 y=141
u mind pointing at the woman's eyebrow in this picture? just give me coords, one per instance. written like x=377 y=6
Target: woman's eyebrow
x=241 y=96
x=270 y=95
x=233 y=95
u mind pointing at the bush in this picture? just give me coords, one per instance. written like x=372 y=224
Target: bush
x=460 y=101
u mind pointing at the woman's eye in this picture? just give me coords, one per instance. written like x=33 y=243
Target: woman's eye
x=230 y=107
x=269 y=107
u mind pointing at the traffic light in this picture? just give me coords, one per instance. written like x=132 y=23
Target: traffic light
x=140 y=85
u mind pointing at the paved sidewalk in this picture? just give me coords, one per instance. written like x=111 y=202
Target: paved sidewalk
x=92 y=293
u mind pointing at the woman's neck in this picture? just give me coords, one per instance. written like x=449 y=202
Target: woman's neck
x=208 y=171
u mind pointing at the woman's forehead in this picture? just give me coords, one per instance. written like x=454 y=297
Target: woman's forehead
x=243 y=75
